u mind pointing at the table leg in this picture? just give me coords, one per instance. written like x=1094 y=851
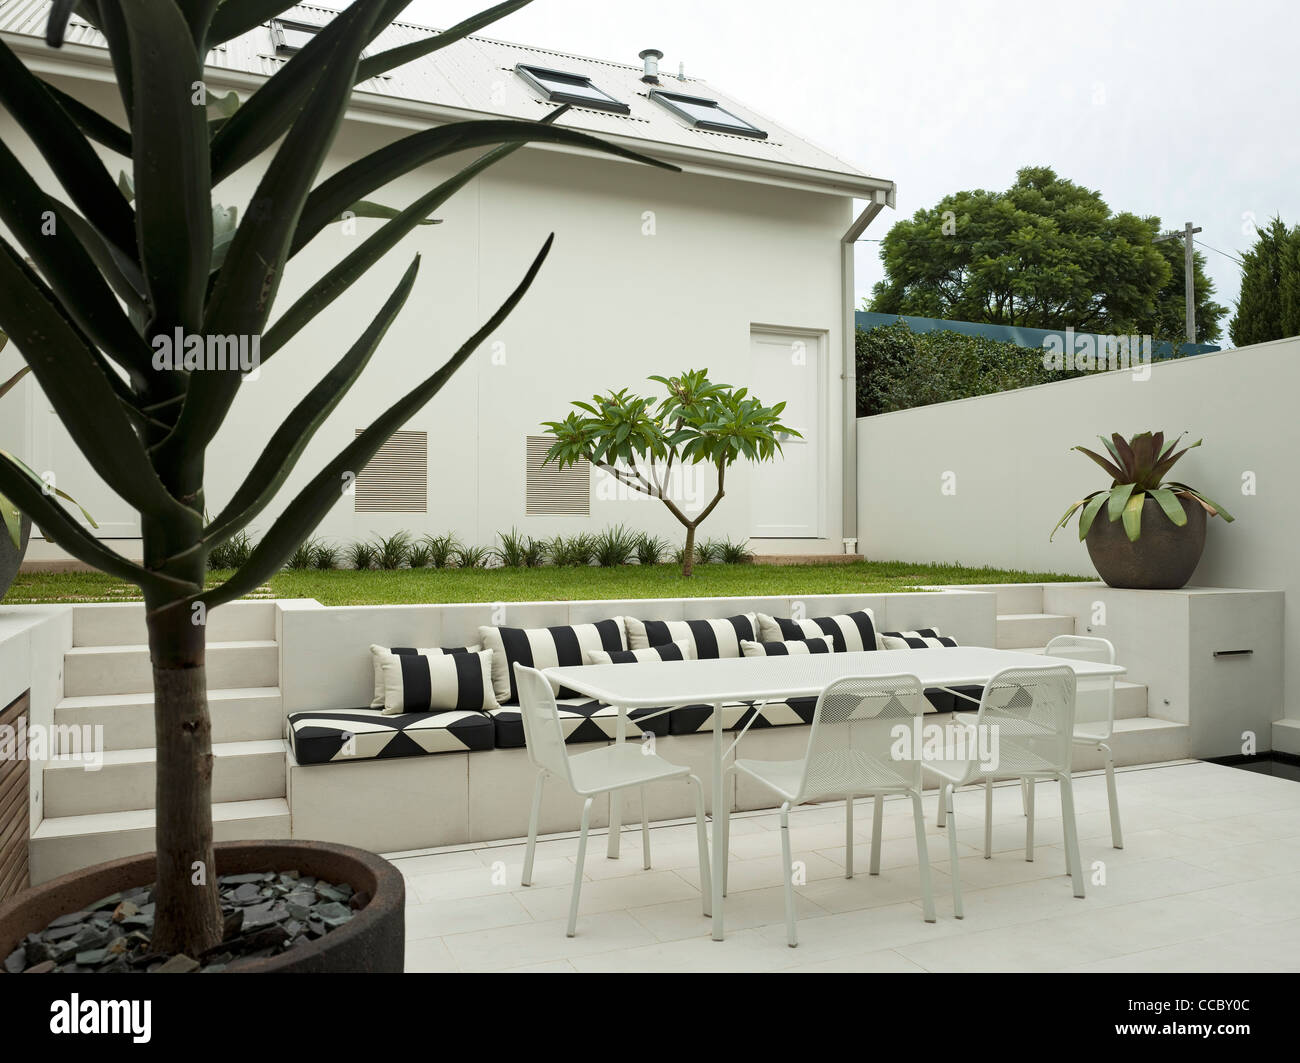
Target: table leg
x=615 y=800
x=719 y=845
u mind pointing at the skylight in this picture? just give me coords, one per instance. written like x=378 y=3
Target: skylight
x=706 y=114
x=561 y=87
x=292 y=36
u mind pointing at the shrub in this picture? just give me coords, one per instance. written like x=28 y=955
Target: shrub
x=304 y=556
x=576 y=550
x=614 y=546
x=708 y=551
x=392 y=551
x=419 y=555
x=442 y=549
x=472 y=556
x=650 y=549
x=233 y=553
x=737 y=553
x=327 y=556
x=360 y=554
x=514 y=549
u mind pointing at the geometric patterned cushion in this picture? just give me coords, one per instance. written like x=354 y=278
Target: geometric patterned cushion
x=581 y=720
x=921 y=639
x=367 y=734
x=693 y=719
x=707 y=639
x=849 y=632
x=671 y=651
x=546 y=647
x=795 y=647
x=417 y=682
x=379 y=653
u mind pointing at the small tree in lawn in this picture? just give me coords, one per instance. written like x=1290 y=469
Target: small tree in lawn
x=123 y=266
x=640 y=441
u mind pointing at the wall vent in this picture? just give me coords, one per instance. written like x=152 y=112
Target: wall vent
x=552 y=490
x=397 y=478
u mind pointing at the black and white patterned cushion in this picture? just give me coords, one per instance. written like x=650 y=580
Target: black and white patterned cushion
x=546 y=647
x=417 y=682
x=795 y=647
x=367 y=734
x=707 y=639
x=670 y=651
x=925 y=638
x=692 y=719
x=378 y=653
x=849 y=632
x=581 y=720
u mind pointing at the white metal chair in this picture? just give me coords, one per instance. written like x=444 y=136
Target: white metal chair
x=619 y=766
x=850 y=754
x=1030 y=714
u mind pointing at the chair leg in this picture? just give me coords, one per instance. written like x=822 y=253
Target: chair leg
x=723 y=830
x=1030 y=786
x=577 y=871
x=702 y=841
x=788 y=876
x=532 y=829
x=645 y=833
x=939 y=814
x=877 y=829
x=848 y=836
x=923 y=858
x=1025 y=799
x=946 y=793
x=988 y=818
x=1071 y=833
x=1116 y=835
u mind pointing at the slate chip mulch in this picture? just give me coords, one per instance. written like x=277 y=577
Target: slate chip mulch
x=264 y=913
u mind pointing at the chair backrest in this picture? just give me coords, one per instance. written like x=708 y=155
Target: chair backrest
x=1032 y=708
x=1094 y=710
x=543 y=735
x=862 y=737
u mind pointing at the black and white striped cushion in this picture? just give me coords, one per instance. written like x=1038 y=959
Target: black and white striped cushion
x=378 y=653
x=671 y=651
x=795 y=647
x=707 y=639
x=926 y=638
x=546 y=647
x=417 y=682
x=849 y=632
x=367 y=734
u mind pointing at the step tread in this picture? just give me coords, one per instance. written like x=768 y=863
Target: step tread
x=140 y=647
x=1147 y=723
x=143 y=819
x=148 y=755
x=1035 y=616
x=91 y=701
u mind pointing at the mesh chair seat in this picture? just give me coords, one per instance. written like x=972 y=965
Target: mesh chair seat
x=619 y=765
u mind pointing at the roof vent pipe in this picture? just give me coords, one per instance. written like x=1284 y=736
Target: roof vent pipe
x=651 y=56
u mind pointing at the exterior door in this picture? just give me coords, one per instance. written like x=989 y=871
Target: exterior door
x=789 y=492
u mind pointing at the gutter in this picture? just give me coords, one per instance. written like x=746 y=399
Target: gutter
x=848 y=374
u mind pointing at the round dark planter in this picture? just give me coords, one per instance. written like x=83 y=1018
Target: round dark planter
x=11 y=559
x=1164 y=556
x=372 y=941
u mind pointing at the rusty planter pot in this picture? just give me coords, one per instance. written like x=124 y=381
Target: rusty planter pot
x=373 y=940
x=1164 y=556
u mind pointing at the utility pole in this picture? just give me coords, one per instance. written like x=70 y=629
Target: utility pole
x=1189 y=273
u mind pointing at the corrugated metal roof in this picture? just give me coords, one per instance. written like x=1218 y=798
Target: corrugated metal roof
x=478 y=74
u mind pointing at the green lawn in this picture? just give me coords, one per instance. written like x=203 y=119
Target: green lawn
x=348 y=587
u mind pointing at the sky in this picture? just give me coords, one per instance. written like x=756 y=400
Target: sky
x=1182 y=109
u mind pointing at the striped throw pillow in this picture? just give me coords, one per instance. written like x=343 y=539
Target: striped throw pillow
x=546 y=647
x=670 y=651
x=417 y=682
x=926 y=638
x=707 y=639
x=378 y=653
x=793 y=648
x=849 y=632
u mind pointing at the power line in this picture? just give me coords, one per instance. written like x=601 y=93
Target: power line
x=1225 y=254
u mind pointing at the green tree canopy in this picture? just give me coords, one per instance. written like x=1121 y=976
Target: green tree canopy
x=1268 y=307
x=1046 y=253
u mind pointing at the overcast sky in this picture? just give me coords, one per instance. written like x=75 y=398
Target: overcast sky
x=1184 y=109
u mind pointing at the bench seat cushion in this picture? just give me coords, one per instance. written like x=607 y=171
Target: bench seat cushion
x=695 y=718
x=582 y=720
x=367 y=734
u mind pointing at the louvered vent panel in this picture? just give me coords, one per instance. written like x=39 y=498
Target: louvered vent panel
x=397 y=478
x=553 y=490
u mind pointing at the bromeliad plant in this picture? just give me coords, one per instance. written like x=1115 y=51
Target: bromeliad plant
x=639 y=442
x=118 y=268
x=1137 y=468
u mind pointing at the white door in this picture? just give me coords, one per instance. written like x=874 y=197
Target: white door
x=789 y=492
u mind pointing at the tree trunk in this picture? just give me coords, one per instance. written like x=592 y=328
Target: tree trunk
x=688 y=559
x=188 y=914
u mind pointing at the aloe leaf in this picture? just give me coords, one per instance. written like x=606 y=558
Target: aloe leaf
x=406 y=53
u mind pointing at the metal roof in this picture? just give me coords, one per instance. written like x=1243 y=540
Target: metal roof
x=477 y=75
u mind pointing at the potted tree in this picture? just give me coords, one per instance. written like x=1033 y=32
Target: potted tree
x=132 y=264
x=1154 y=529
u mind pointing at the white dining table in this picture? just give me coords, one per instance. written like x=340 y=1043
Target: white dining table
x=667 y=685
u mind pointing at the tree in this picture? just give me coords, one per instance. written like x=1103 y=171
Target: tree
x=639 y=442
x=1171 y=321
x=114 y=282
x=1046 y=253
x=1268 y=307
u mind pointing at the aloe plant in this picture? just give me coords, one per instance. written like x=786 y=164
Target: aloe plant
x=1137 y=468
x=116 y=274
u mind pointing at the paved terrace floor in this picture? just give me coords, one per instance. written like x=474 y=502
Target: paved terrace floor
x=1209 y=880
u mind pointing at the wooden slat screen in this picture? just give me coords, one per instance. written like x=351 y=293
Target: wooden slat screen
x=15 y=808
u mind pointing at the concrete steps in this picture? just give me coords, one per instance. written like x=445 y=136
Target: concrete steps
x=1031 y=629
x=125 y=669
x=239 y=714
x=122 y=623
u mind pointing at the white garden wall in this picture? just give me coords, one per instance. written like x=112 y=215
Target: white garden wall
x=983 y=480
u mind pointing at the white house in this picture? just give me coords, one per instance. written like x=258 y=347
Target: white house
x=742 y=263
